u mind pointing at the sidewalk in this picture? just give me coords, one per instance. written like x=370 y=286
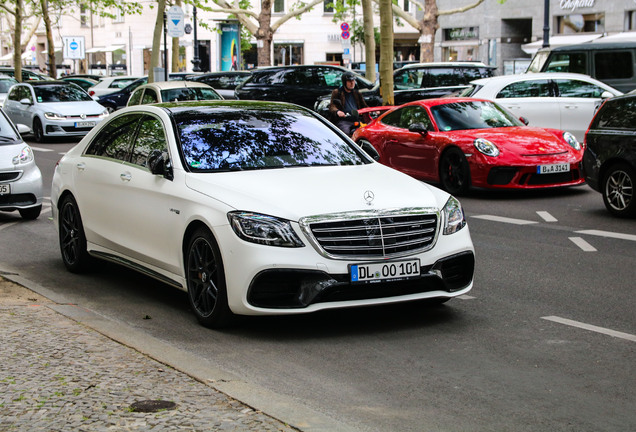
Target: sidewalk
x=59 y=375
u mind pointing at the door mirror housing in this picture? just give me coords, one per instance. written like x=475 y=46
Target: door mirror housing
x=418 y=128
x=524 y=120
x=159 y=164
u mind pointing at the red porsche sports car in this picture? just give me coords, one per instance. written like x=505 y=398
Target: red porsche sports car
x=459 y=142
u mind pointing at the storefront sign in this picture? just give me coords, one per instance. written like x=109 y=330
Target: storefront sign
x=573 y=5
x=461 y=33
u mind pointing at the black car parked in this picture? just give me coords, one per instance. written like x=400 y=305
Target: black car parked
x=431 y=80
x=301 y=85
x=609 y=161
x=223 y=82
x=119 y=99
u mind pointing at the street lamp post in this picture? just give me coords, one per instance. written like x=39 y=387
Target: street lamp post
x=195 y=61
x=546 y=24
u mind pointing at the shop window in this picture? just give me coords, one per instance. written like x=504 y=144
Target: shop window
x=288 y=53
x=279 y=6
x=578 y=23
x=630 y=20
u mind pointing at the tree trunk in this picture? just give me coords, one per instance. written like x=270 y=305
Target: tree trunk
x=50 y=46
x=386 y=51
x=175 y=49
x=429 y=26
x=156 y=42
x=264 y=35
x=17 y=42
x=369 y=39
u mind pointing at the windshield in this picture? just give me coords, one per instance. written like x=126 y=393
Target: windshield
x=241 y=138
x=7 y=133
x=537 y=62
x=472 y=115
x=60 y=93
x=469 y=91
x=189 y=94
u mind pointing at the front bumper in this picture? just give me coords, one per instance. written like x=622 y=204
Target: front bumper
x=26 y=188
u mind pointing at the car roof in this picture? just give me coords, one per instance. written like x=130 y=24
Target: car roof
x=592 y=45
x=47 y=83
x=446 y=64
x=533 y=76
x=164 y=85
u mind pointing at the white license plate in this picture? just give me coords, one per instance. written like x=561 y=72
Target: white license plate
x=5 y=189
x=386 y=271
x=84 y=124
x=554 y=168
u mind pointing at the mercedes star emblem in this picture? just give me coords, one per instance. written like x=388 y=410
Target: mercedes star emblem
x=369 y=197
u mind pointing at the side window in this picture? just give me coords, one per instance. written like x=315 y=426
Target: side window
x=578 y=89
x=151 y=137
x=25 y=93
x=393 y=119
x=617 y=114
x=415 y=114
x=330 y=78
x=135 y=98
x=300 y=77
x=113 y=141
x=568 y=62
x=443 y=77
x=150 y=96
x=408 y=79
x=14 y=94
x=614 y=64
x=526 y=89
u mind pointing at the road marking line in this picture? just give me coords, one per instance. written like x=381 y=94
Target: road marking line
x=466 y=297
x=504 y=219
x=547 y=216
x=582 y=244
x=590 y=327
x=41 y=149
x=608 y=234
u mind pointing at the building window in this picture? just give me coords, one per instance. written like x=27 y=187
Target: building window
x=84 y=19
x=119 y=16
x=630 y=20
x=328 y=6
x=578 y=23
x=406 y=5
x=279 y=6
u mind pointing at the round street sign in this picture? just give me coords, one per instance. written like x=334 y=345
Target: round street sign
x=344 y=26
x=345 y=35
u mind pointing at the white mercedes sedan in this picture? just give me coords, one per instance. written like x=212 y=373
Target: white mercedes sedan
x=256 y=208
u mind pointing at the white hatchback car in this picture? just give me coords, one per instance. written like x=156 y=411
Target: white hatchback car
x=20 y=178
x=172 y=91
x=563 y=101
x=256 y=208
x=53 y=109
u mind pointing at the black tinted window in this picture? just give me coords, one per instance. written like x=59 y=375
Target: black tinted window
x=616 y=114
x=235 y=139
x=614 y=64
x=405 y=117
x=151 y=137
x=269 y=78
x=114 y=140
x=568 y=62
x=526 y=89
x=578 y=89
x=443 y=77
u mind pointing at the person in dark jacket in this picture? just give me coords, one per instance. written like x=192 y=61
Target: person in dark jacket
x=344 y=100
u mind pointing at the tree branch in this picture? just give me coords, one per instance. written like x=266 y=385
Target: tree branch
x=461 y=9
x=293 y=14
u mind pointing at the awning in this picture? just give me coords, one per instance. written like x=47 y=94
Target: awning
x=8 y=57
x=618 y=37
x=109 y=48
x=557 y=41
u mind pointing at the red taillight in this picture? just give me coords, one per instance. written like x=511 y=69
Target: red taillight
x=91 y=92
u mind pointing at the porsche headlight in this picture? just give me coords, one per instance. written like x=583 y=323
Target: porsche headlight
x=569 y=138
x=25 y=156
x=454 y=218
x=53 y=116
x=486 y=147
x=263 y=229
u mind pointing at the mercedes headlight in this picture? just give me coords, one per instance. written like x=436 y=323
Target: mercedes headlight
x=454 y=218
x=486 y=147
x=53 y=116
x=569 y=138
x=25 y=156
x=263 y=229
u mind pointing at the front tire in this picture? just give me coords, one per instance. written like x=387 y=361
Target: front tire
x=205 y=279
x=618 y=190
x=454 y=172
x=38 y=130
x=71 y=236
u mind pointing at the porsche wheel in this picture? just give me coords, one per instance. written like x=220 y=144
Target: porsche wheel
x=454 y=173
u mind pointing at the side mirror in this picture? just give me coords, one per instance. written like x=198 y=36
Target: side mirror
x=26 y=101
x=524 y=120
x=159 y=164
x=606 y=95
x=418 y=128
x=23 y=129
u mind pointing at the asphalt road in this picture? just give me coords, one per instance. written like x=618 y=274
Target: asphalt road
x=546 y=340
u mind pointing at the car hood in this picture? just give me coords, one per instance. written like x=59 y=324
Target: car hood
x=292 y=193
x=72 y=108
x=527 y=141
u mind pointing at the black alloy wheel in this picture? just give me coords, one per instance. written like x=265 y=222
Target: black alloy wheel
x=454 y=173
x=618 y=190
x=38 y=131
x=206 y=280
x=71 y=236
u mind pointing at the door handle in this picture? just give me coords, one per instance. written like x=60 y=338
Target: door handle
x=81 y=166
x=125 y=176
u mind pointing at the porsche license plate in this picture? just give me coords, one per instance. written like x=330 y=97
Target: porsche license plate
x=84 y=124
x=554 y=168
x=385 y=271
x=5 y=189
